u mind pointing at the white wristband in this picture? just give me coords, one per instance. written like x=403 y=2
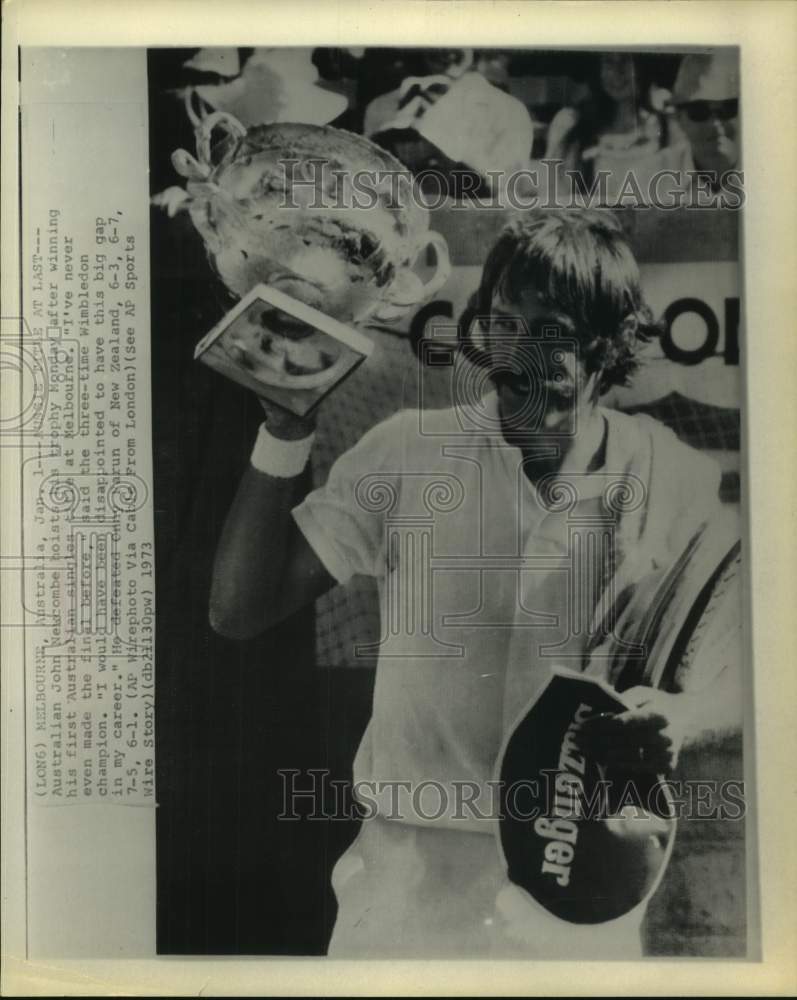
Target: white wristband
x=278 y=458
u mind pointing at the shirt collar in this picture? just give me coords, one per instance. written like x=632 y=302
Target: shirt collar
x=591 y=484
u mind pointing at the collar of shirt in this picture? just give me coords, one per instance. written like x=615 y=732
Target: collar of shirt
x=591 y=485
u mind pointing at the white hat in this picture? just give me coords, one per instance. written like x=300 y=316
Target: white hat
x=223 y=62
x=473 y=122
x=707 y=77
x=276 y=85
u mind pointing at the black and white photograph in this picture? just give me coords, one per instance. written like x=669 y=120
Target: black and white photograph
x=396 y=448
x=381 y=619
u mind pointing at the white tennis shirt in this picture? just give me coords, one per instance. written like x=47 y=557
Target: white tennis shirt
x=484 y=584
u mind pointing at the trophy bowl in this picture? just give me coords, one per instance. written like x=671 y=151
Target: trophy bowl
x=313 y=211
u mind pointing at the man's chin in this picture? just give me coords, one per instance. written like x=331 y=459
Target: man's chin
x=520 y=416
x=716 y=162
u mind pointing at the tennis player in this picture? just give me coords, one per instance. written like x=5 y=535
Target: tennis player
x=468 y=633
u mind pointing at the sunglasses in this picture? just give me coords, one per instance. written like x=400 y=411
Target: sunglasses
x=701 y=111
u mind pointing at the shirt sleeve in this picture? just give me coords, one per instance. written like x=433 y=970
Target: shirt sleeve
x=682 y=489
x=344 y=520
x=698 y=501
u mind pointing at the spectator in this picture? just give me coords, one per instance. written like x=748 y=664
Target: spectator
x=456 y=123
x=616 y=129
x=445 y=63
x=706 y=100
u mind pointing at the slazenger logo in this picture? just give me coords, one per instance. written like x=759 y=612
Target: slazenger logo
x=560 y=832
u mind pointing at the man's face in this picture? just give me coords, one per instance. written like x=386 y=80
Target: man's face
x=711 y=128
x=543 y=386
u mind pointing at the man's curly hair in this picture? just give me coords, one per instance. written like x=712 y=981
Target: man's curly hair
x=580 y=263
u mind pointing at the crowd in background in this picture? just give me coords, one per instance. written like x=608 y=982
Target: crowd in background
x=465 y=120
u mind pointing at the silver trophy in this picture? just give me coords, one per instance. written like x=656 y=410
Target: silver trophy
x=319 y=219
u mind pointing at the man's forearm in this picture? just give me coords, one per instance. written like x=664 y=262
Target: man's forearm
x=251 y=555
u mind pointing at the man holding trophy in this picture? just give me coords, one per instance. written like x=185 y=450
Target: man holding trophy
x=557 y=320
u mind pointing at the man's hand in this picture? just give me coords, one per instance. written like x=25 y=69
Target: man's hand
x=646 y=738
x=285 y=425
x=728 y=149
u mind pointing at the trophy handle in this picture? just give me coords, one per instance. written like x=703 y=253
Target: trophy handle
x=200 y=167
x=412 y=292
x=204 y=133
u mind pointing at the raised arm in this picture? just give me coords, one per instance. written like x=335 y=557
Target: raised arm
x=264 y=568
